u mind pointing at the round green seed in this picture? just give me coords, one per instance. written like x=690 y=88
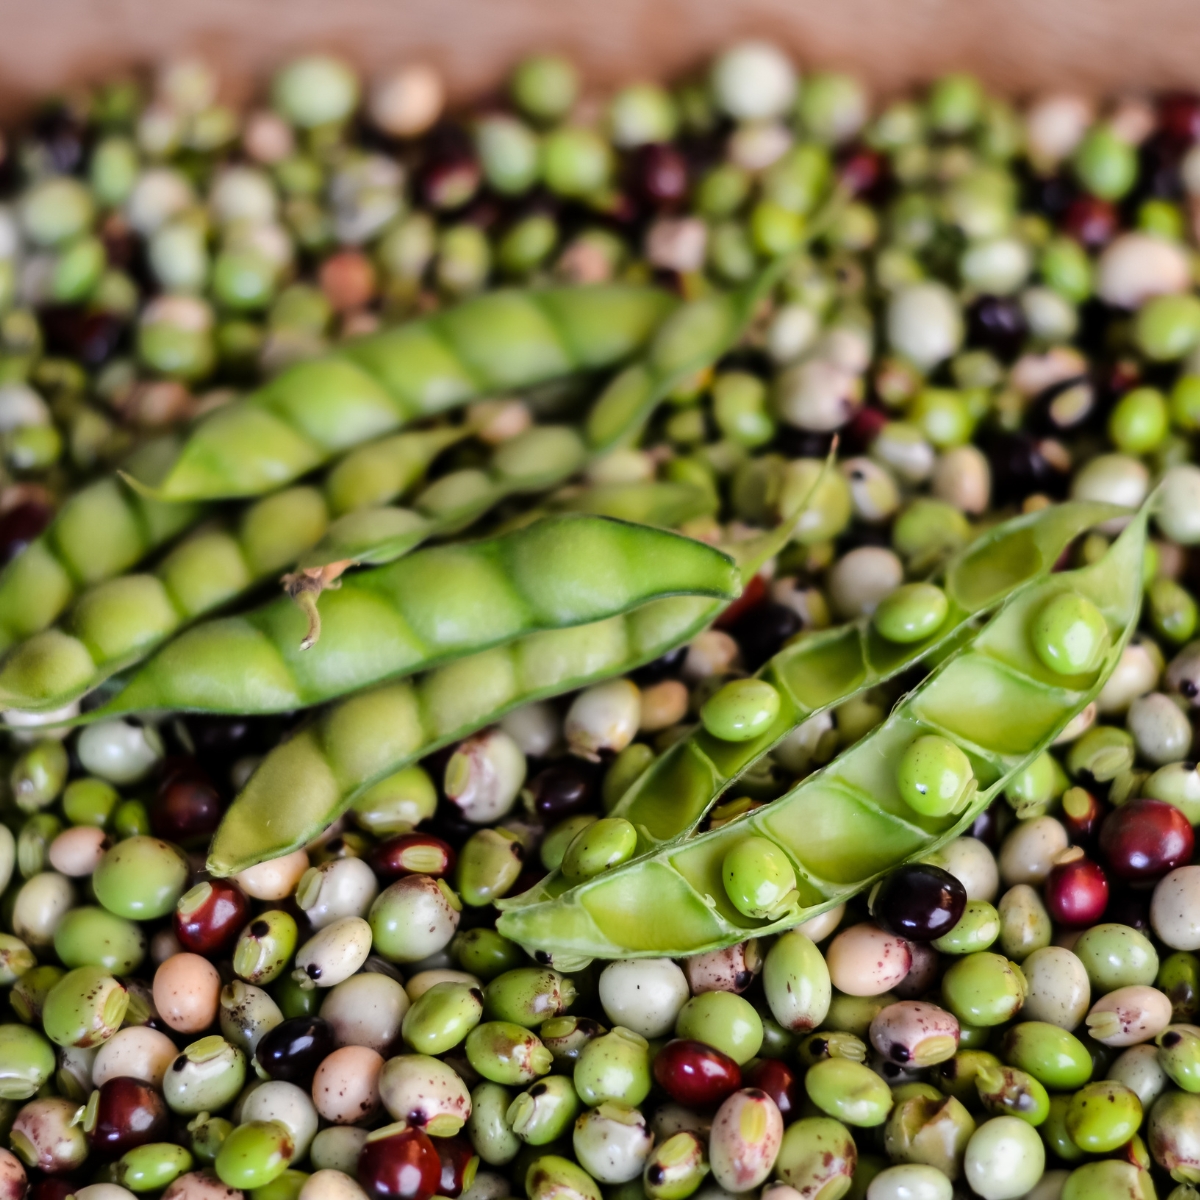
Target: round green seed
x=935 y=776
x=140 y=878
x=741 y=710
x=913 y=612
x=254 y=1154
x=849 y=1091
x=723 y=1020
x=1103 y=1115
x=604 y=844
x=1070 y=634
x=759 y=878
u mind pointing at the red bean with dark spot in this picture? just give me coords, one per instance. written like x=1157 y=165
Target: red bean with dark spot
x=209 y=917
x=399 y=1166
x=124 y=1113
x=779 y=1082
x=1076 y=890
x=1143 y=840
x=411 y=854
x=694 y=1074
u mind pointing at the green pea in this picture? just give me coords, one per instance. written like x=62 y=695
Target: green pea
x=724 y=1021
x=1070 y=634
x=984 y=988
x=84 y=1008
x=849 y=1091
x=1105 y=163
x=140 y=878
x=935 y=777
x=265 y=947
x=28 y=994
x=604 y=844
x=576 y=162
x=775 y=230
x=508 y=153
x=506 y=1053
x=913 y=612
x=1116 y=956
x=151 y=1167
x=1111 y=1178
x=284 y=1187
x=39 y=774
x=489 y=865
x=741 y=710
x=397 y=803
x=1166 y=329
x=484 y=953
x=552 y=1177
x=1179 y=1056
x=1007 y=1091
x=208 y=1135
x=1103 y=752
x=554 y=844
x=817 y=1047
x=739 y=408
x=943 y=417
x=205 y=1076
x=1054 y=1057
x=1054 y=1131
x=89 y=802
x=488 y=1128
x=91 y=936
x=1065 y=266
x=818 y=1157
x=295 y=1000
x=1179 y=978
x=958 y=1076
x=528 y=996
x=927 y=530
x=614 y=1066
x=796 y=983
x=26 y=1062
x=545 y=1112
x=976 y=930
x=1103 y=1115
x=854 y=1014
x=1185 y=403
x=1172 y=610
x=131 y=819
x=254 y=1154
x=545 y=86
x=1036 y=786
x=442 y=1017
x=759 y=878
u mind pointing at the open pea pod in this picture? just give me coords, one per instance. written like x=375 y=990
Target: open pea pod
x=100 y=531
x=495 y=342
x=312 y=778
x=441 y=603
x=841 y=828
x=832 y=666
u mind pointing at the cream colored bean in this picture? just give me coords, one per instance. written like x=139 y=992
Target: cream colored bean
x=40 y=905
x=187 y=991
x=76 y=851
x=643 y=994
x=329 y=1184
x=1138 y=1068
x=420 y=983
x=710 y=653
x=342 y=887
x=1025 y=924
x=1077 y=726
x=1059 y=991
x=199 y=1185
x=274 y=879
x=663 y=704
x=334 y=953
x=103 y=1191
x=963 y=478
x=1160 y=729
x=535 y=728
x=366 y=1010
x=346 y=1086
x=1030 y=849
x=603 y=718
x=1137 y=672
x=861 y=578
x=971 y=862
x=278 y=1100
x=818 y=928
x=865 y=961
x=1175 y=908
x=136 y=1051
x=1129 y=1015
x=746 y=1135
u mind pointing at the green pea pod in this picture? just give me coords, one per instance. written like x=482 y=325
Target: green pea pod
x=844 y=826
x=433 y=606
x=832 y=666
x=312 y=778
x=652 y=502
x=495 y=342
x=119 y=622
x=103 y=529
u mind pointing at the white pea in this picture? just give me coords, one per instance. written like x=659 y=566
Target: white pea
x=334 y=953
x=118 y=751
x=1113 y=479
x=1178 y=514
x=1029 y=850
x=873 y=491
x=747 y=1132
x=137 y=1051
x=336 y=1150
x=330 y=1183
x=489 y=1185
x=910 y=1181
x=1161 y=731
x=810 y=744
x=1134 y=267
x=8 y=856
x=274 y=879
x=860 y=579
x=817 y=396
x=1137 y=672
x=612 y=1142
x=643 y=994
x=904 y=449
x=865 y=961
x=792 y=330
x=41 y=903
x=77 y=851
x=963 y=478
x=366 y=1010
x=417 y=985
x=924 y=323
x=534 y=727
x=818 y=928
x=754 y=81
x=1055 y=125
x=345 y=1088
x=341 y=887
x=710 y=653
x=603 y=718
x=425 y=1091
x=1058 y=988
x=484 y=775
x=1175 y=908
x=1005 y=1158
x=971 y=862
x=108 y=1191
x=278 y=1100
x=1138 y=1068
x=1129 y=1015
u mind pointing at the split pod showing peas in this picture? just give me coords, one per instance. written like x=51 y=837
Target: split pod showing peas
x=994 y=701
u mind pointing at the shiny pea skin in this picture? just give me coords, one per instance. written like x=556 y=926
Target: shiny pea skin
x=84 y=1008
x=1111 y=1177
x=265 y=947
x=723 y=1020
x=283 y=1187
x=976 y=930
x=1054 y=1131
x=1116 y=956
x=1056 y=1058
x=1025 y=925
x=544 y=1112
x=984 y=988
x=759 y=879
x=254 y=1154
x=1179 y=978
x=935 y=776
x=913 y=612
x=1103 y=1115
x=506 y=1053
x=555 y=843
x=91 y=936
x=741 y=710
x=442 y=1017
x=488 y=1127
x=528 y=996
x=1070 y=634
x=26 y=1062
x=484 y=953
x=1012 y=1092
x=489 y=864
x=614 y=1066
x=140 y=878
x=854 y=1014
x=849 y=1091
x=958 y=1076
x=604 y=844
x=152 y=1167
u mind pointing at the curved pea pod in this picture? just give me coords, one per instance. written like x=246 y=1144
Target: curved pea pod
x=993 y=699
x=439 y=604
x=652 y=502
x=309 y=780
x=829 y=668
x=119 y=622
x=100 y=531
x=495 y=342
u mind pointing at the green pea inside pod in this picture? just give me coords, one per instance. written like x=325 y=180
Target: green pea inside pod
x=759 y=879
x=741 y=710
x=935 y=777
x=599 y=847
x=913 y=612
x=1070 y=634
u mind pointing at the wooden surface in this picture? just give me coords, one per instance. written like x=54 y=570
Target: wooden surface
x=1017 y=44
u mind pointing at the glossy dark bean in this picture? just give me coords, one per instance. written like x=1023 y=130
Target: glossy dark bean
x=1021 y=467
x=666 y=667
x=1179 y=117
x=761 y=633
x=411 y=853
x=1076 y=892
x=19 y=525
x=186 y=809
x=863 y=172
x=1091 y=221
x=1142 y=840
x=863 y=429
x=563 y=790
x=400 y=1166
x=89 y=335
x=919 y=902
x=459 y=1162
x=991 y=824
x=695 y=1074
x=208 y=921
x=780 y=1082
x=1129 y=906
x=128 y=1113
x=658 y=173
x=997 y=323
x=294 y=1049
